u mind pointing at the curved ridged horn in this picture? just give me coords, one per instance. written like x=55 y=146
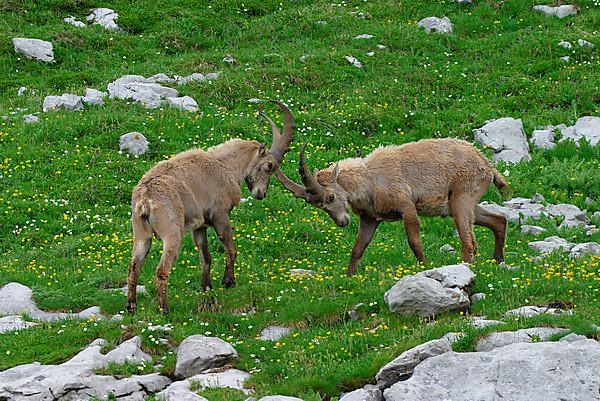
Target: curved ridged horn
x=312 y=186
x=298 y=190
x=281 y=142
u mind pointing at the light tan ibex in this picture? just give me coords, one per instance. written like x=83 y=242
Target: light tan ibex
x=194 y=190
x=434 y=177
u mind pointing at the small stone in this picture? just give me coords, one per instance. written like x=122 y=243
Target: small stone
x=533 y=310
x=354 y=61
x=183 y=103
x=480 y=322
x=229 y=59
x=363 y=36
x=106 y=18
x=302 y=273
x=254 y=100
x=447 y=248
x=381 y=47
x=71 y=20
x=537 y=198
x=280 y=398
x=477 y=297
x=532 y=230
x=274 y=333
x=303 y=58
x=34 y=49
x=585 y=43
x=134 y=142
x=588 y=200
x=565 y=44
x=21 y=91
x=363 y=395
x=30 y=119
x=566 y=59
x=439 y=25
x=370 y=54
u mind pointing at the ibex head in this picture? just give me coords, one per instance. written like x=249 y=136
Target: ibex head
x=266 y=161
x=320 y=189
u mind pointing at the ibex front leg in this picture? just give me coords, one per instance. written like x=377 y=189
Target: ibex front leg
x=201 y=242
x=366 y=230
x=223 y=229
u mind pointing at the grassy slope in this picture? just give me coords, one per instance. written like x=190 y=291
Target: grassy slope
x=65 y=188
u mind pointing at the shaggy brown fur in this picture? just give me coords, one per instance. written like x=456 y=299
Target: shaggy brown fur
x=192 y=191
x=434 y=177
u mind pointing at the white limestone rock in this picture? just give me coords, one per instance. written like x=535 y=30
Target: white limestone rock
x=503 y=338
x=507 y=139
x=402 y=367
x=551 y=244
x=302 y=273
x=94 y=97
x=547 y=371
x=439 y=25
x=560 y=11
x=363 y=36
x=543 y=138
x=183 y=103
x=532 y=230
x=354 y=61
x=66 y=101
x=587 y=128
x=431 y=292
x=279 y=398
x=274 y=333
x=138 y=88
x=585 y=43
x=34 y=49
x=363 y=394
x=134 y=143
x=21 y=91
x=481 y=322
x=447 y=248
x=13 y=323
x=534 y=310
x=565 y=44
x=106 y=18
x=30 y=119
x=73 y=21
x=584 y=249
x=198 y=353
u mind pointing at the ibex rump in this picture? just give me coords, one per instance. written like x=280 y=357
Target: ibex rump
x=434 y=177
x=194 y=190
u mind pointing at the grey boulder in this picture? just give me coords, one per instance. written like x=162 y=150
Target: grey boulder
x=507 y=139
x=14 y=323
x=94 y=97
x=136 y=87
x=30 y=119
x=134 y=142
x=584 y=249
x=183 y=103
x=545 y=371
x=363 y=394
x=198 y=353
x=560 y=11
x=551 y=244
x=431 y=292
x=34 y=49
x=587 y=128
x=182 y=390
x=66 y=101
x=439 y=25
x=543 y=138
x=71 y=20
x=105 y=17
x=532 y=230
x=534 y=310
x=403 y=366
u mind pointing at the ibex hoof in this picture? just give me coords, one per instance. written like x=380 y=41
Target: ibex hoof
x=131 y=307
x=228 y=283
x=206 y=287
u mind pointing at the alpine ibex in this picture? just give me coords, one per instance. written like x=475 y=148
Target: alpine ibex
x=434 y=177
x=194 y=190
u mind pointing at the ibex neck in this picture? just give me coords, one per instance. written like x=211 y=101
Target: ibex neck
x=354 y=179
x=236 y=155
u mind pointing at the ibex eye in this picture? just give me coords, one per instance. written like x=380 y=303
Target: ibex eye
x=331 y=198
x=269 y=166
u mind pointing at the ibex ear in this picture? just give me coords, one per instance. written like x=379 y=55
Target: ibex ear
x=336 y=173
x=262 y=150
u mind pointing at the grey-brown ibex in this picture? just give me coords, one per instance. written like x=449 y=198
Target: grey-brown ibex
x=194 y=190
x=432 y=177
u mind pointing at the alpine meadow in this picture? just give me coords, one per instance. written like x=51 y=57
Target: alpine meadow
x=356 y=75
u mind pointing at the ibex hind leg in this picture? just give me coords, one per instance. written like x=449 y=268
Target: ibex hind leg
x=497 y=223
x=142 y=240
x=462 y=210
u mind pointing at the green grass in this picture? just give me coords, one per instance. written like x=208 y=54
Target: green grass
x=65 y=189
